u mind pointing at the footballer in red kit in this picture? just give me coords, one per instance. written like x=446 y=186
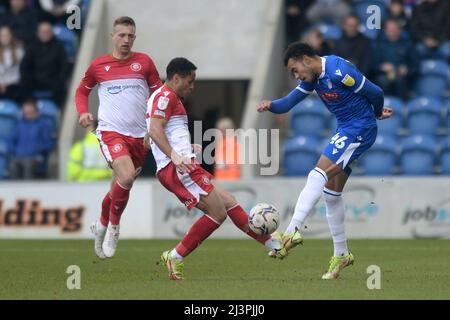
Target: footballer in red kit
x=170 y=141
x=125 y=80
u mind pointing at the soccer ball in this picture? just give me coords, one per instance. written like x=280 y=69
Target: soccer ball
x=264 y=219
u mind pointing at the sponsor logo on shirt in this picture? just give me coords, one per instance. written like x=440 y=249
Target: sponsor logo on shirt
x=159 y=113
x=329 y=96
x=119 y=89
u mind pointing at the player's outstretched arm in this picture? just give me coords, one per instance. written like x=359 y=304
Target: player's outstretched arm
x=282 y=105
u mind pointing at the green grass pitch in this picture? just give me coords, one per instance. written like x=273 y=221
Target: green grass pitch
x=223 y=269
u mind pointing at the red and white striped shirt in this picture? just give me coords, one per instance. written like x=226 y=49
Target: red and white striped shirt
x=123 y=90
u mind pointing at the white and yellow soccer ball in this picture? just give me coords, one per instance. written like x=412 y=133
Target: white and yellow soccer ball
x=264 y=219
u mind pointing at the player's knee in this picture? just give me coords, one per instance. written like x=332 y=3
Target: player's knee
x=127 y=180
x=229 y=200
x=318 y=174
x=219 y=215
x=331 y=197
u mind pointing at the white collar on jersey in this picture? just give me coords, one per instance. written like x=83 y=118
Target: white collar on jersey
x=323 y=68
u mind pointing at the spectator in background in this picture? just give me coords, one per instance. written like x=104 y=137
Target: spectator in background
x=315 y=39
x=227 y=155
x=11 y=54
x=354 y=46
x=396 y=11
x=44 y=64
x=394 y=60
x=22 y=20
x=430 y=24
x=333 y=11
x=56 y=9
x=32 y=143
x=86 y=162
x=296 y=21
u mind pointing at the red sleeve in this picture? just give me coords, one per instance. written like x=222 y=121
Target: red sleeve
x=83 y=91
x=163 y=106
x=153 y=80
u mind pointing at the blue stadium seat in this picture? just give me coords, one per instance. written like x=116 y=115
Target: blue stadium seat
x=447 y=115
x=395 y=123
x=4 y=162
x=444 y=159
x=444 y=50
x=433 y=80
x=381 y=158
x=9 y=114
x=301 y=154
x=418 y=155
x=49 y=112
x=424 y=115
x=310 y=117
x=68 y=38
x=43 y=94
x=329 y=31
x=434 y=67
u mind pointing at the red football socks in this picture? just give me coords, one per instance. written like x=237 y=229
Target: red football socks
x=240 y=219
x=119 y=200
x=199 y=231
x=106 y=204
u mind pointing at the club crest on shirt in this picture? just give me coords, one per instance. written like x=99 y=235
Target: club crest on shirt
x=329 y=84
x=136 y=67
x=163 y=102
x=348 y=81
x=117 y=148
x=206 y=180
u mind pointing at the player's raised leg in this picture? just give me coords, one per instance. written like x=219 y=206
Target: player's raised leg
x=335 y=216
x=310 y=195
x=124 y=172
x=240 y=218
x=215 y=213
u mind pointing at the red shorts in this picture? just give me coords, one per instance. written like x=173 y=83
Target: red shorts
x=186 y=186
x=115 y=145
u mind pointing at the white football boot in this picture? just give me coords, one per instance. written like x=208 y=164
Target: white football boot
x=99 y=234
x=111 y=239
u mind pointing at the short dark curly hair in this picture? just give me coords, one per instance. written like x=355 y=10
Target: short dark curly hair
x=297 y=50
x=181 y=66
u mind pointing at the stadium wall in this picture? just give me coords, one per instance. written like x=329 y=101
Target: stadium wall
x=227 y=40
x=387 y=207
